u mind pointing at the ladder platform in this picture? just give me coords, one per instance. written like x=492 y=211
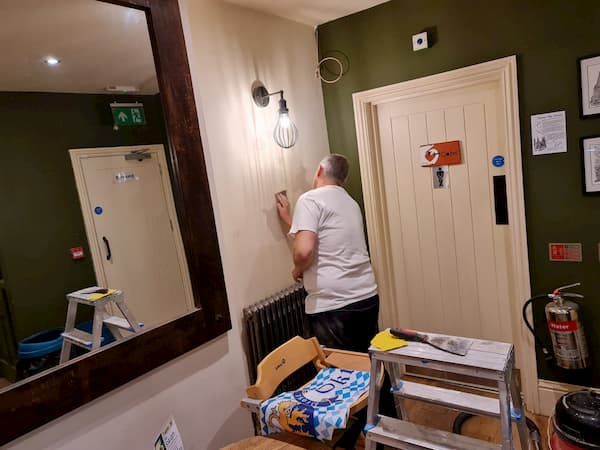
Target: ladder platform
x=409 y=436
x=462 y=401
x=484 y=358
x=91 y=296
x=80 y=338
x=120 y=322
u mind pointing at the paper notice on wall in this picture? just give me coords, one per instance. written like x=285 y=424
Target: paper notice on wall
x=169 y=438
x=549 y=133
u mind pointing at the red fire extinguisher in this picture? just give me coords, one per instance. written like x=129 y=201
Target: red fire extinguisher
x=564 y=324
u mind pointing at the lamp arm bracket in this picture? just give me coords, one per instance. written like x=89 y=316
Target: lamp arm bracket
x=280 y=92
x=261 y=95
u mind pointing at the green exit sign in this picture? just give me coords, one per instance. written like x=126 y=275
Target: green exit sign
x=128 y=114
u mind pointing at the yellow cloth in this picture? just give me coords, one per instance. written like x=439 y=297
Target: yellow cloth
x=98 y=296
x=384 y=340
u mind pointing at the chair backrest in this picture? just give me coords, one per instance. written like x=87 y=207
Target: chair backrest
x=282 y=362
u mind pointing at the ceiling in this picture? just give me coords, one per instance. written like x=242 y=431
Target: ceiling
x=310 y=12
x=98 y=44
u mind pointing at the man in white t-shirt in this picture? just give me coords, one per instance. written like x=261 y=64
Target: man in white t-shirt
x=330 y=255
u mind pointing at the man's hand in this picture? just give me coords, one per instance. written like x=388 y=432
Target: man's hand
x=283 y=208
x=297 y=274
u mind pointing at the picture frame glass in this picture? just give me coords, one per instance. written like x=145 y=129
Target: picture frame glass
x=591 y=162
x=590 y=86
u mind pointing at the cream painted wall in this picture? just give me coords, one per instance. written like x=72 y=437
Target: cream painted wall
x=228 y=47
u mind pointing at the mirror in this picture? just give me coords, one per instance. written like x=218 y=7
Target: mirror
x=34 y=401
x=86 y=180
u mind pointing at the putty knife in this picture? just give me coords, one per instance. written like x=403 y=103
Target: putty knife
x=448 y=344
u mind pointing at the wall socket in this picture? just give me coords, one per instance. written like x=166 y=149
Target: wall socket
x=420 y=41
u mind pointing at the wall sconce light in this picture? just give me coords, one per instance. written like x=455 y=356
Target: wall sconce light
x=285 y=133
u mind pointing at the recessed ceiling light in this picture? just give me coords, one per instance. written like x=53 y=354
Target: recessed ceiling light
x=52 y=61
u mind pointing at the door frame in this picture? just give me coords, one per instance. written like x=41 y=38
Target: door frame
x=503 y=71
x=156 y=150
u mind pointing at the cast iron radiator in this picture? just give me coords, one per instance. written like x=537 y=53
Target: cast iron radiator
x=271 y=322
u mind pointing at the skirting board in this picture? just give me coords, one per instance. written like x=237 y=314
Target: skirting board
x=550 y=392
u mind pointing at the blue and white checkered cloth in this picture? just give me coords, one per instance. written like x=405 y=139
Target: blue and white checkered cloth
x=317 y=409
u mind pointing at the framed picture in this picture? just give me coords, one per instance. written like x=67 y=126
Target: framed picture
x=589 y=70
x=591 y=163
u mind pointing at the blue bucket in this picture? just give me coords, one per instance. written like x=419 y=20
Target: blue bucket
x=40 y=344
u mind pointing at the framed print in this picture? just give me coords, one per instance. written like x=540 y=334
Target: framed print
x=589 y=69
x=591 y=163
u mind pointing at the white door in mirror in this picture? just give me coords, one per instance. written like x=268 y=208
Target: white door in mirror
x=131 y=222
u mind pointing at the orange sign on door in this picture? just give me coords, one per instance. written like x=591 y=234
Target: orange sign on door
x=440 y=154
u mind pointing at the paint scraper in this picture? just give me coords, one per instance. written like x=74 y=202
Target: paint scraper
x=450 y=344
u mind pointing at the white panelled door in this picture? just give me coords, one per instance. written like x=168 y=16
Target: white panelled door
x=450 y=258
x=133 y=231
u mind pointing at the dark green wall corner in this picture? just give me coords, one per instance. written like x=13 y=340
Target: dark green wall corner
x=548 y=37
x=41 y=216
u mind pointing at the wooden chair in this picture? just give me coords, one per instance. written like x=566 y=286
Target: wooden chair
x=291 y=356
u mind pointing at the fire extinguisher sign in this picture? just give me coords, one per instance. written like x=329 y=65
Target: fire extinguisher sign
x=565 y=252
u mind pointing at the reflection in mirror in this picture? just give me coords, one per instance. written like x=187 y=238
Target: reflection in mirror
x=85 y=187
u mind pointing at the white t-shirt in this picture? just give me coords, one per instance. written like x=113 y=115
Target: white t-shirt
x=341 y=272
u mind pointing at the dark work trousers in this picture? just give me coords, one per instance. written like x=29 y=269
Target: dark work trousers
x=351 y=328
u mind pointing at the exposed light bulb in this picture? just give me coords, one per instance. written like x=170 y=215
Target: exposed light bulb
x=285 y=133
x=284 y=120
x=52 y=61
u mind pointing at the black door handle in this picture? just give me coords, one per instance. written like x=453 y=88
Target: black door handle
x=500 y=200
x=108 y=252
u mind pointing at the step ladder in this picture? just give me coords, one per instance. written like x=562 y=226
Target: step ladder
x=485 y=359
x=93 y=340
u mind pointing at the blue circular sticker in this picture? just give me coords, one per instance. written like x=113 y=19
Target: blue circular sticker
x=498 y=161
x=98 y=210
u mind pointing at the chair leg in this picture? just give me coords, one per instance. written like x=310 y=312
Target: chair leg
x=256 y=424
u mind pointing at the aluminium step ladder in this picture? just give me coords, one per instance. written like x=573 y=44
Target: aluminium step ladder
x=485 y=359
x=98 y=299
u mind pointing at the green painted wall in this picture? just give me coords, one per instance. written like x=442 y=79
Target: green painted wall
x=40 y=218
x=547 y=36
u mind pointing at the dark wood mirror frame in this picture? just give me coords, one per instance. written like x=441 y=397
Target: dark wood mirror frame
x=35 y=402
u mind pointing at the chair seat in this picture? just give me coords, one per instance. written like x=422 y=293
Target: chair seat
x=277 y=366
x=283 y=441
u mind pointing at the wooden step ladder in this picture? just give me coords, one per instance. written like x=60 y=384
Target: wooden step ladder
x=98 y=298
x=485 y=359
